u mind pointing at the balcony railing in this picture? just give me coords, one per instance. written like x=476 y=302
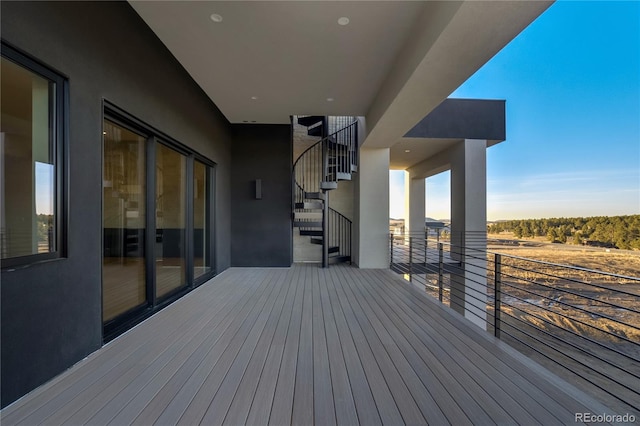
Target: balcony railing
x=581 y=323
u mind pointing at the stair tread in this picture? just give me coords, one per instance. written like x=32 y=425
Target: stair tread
x=315 y=131
x=312 y=233
x=312 y=216
x=310 y=120
x=307 y=224
x=314 y=195
x=310 y=205
x=328 y=185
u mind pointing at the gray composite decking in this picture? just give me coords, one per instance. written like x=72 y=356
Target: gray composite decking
x=303 y=345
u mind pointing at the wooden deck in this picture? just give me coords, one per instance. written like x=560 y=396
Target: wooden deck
x=303 y=345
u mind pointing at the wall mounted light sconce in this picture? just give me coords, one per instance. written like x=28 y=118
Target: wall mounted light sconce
x=258 y=189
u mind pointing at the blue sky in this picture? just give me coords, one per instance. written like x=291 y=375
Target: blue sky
x=572 y=85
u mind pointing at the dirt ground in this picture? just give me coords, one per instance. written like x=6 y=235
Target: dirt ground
x=621 y=262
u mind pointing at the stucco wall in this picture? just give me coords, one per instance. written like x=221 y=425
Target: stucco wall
x=51 y=312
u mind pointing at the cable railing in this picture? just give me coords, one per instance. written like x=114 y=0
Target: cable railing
x=581 y=323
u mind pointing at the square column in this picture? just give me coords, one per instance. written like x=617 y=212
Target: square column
x=469 y=229
x=371 y=234
x=414 y=205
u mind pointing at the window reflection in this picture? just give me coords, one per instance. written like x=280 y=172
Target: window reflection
x=124 y=207
x=170 y=220
x=27 y=166
x=201 y=190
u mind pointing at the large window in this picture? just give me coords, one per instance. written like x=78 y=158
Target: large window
x=31 y=137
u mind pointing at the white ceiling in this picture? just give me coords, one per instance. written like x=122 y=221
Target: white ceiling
x=292 y=56
x=393 y=63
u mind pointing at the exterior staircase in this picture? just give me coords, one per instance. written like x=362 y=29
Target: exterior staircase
x=316 y=172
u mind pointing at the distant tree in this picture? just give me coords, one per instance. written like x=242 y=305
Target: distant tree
x=577 y=239
x=562 y=237
x=517 y=231
x=620 y=231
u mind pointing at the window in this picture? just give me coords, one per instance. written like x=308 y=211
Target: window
x=31 y=139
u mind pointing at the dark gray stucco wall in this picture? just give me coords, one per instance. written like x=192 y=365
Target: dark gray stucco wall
x=261 y=229
x=51 y=312
x=463 y=119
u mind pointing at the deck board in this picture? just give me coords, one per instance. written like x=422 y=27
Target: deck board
x=507 y=391
x=482 y=350
x=303 y=345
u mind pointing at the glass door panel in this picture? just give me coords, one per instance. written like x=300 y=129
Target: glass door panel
x=124 y=207
x=201 y=228
x=170 y=220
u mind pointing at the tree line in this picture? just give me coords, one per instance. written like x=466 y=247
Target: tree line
x=621 y=232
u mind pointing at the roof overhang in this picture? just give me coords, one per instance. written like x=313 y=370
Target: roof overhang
x=393 y=63
x=450 y=122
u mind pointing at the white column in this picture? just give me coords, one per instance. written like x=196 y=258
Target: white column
x=414 y=204
x=372 y=221
x=469 y=229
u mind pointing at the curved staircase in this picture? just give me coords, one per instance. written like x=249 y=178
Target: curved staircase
x=316 y=172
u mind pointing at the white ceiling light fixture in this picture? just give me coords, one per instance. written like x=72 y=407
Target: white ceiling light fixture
x=330 y=99
x=254 y=98
x=215 y=17
x=343 y=21
x=407 y=150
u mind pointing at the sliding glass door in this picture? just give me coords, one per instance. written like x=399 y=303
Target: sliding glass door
x=171 y=185
x=123 y=221
x=201 y=220
x=157 y=231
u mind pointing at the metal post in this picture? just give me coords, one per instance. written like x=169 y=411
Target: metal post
x=410 y=258
x=440 y=270
x=426 y=247
x=497 y=264
x=325 y=231
x=391 y=250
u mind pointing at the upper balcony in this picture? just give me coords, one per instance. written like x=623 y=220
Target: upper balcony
x=305 y=345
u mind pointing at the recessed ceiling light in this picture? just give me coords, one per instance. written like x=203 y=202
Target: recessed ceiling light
x=343 y=20
x=216 y=18
x=329 y=99
x=254 y=97
x=407 y=150
x=104 y=133
x=253 y=121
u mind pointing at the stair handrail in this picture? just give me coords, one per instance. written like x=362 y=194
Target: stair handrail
x=339 y=232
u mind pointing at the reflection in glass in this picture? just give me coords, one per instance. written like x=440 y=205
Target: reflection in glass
x=170 y=220
x=123 y=272
x=27 y=166
x=201 y=255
